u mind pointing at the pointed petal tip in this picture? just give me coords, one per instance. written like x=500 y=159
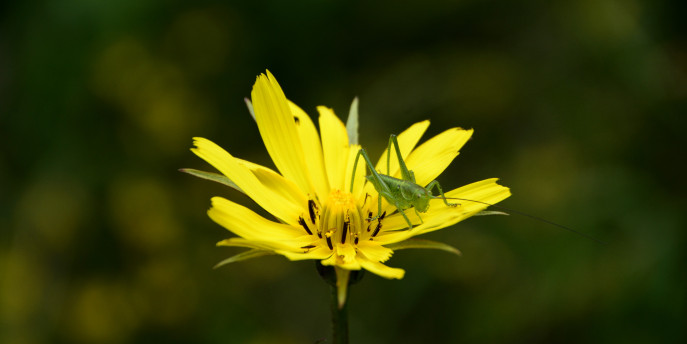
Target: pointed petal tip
x=424 y=123
x=198 y=139
x=267 y=77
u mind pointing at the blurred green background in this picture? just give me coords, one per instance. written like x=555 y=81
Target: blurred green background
x=578 y=106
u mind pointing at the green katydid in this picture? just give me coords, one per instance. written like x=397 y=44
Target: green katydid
x=406 y=193
x=402 y=193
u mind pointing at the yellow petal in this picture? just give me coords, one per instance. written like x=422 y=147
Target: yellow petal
x=487 y=191
x=375 y=251
x=278 y=130
x=379 y=268
x=291 y=253
x=315 y=253
x=335 y=147
x=335 y=260
x=249 y=225
x=346 y=252
x=279 y=205
x=255 y=244
x=273 y=181
x=312 y=151
x=431 y=158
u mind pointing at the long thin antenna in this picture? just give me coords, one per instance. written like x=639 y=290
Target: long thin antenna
x=528 y=215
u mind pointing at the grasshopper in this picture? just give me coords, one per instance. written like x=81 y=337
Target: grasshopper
x=402 y=193
x=406 y=193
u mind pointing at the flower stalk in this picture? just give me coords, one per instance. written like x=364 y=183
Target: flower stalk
x=339 y=281
x=339 y=314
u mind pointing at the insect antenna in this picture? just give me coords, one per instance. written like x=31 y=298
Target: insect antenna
x=527 y=215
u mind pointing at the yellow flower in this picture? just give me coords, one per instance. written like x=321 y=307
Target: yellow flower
x=317 y=214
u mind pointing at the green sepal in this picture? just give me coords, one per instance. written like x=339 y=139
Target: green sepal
x=490 y=212
x=423 y=243
x=328 y=274
x=352 y=123
x=249 y=105
x=215 y=177
x=254 y=253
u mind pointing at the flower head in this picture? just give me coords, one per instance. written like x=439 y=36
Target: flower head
x=319 y=214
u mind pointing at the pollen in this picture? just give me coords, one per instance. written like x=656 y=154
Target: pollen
x=341 y=221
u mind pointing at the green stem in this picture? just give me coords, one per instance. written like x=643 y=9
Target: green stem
x=339 y=280
x=339 y=318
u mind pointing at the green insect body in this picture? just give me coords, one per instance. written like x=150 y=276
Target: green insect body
x=403 y=193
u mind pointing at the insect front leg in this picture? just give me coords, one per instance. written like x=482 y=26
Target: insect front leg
x=379 y=184
x=418 y=216
x=379 y=208
x=410 y=224
x=435 y=183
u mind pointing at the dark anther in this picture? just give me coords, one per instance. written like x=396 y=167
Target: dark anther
x=308 y=247
x=311 y=209
x=329 y=243
x=381 y=217
x=379 y=226
x=356 y=239
x=302 y=223
x=345 y=231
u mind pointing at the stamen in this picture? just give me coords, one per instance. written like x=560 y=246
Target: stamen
x=311 y=209
x=308 y=248
x=329 y=243
x=379 y=226
x=301 y=221
x=340 y=221
x=346 y=224
x=381 y=217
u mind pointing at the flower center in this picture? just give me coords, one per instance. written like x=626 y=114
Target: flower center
x=341 y=221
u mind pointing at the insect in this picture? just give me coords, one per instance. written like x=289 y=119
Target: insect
x=402 y=193
x=406 y=193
